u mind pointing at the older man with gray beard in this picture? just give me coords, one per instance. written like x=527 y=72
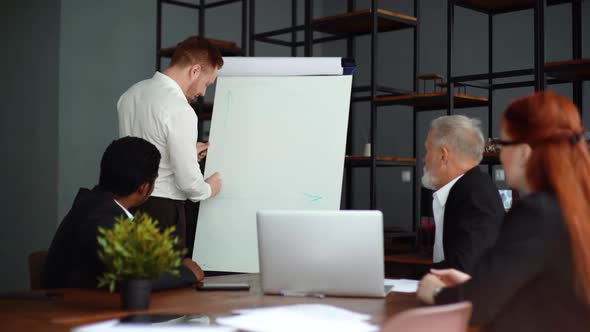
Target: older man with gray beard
x=467 y=207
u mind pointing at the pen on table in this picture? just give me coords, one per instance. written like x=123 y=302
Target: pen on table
x=302 y=294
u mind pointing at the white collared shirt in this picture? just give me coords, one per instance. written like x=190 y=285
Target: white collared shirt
x=129 y=215
x=157 y=110
x=439 y=202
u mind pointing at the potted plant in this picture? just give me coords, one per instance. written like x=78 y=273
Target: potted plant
x=134 y=252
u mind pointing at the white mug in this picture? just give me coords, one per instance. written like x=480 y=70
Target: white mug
x=367 y=152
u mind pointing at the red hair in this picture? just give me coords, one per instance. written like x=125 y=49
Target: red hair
x=197 y=50
x=559 y=163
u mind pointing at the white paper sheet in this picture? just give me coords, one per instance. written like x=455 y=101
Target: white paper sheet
x=309 y=318
x=283 y=66
x=315 y=310
x=402 y=285
x=278 y=143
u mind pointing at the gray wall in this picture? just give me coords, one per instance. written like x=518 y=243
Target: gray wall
x=28 y=133
x=70 y=62
x=106 y=46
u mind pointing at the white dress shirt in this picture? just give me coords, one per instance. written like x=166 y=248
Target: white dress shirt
x=157 y=111
x=439 y=202
x=129 y=215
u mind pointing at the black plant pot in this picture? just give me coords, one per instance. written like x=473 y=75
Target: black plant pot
x=135 y=294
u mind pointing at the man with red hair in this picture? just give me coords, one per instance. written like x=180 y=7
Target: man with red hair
x=159 y=111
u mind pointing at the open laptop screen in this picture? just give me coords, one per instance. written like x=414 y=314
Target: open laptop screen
x=321 y=252
x=506 y=195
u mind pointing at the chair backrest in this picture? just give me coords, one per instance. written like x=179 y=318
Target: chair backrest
x=442 y=318
x=37 y=261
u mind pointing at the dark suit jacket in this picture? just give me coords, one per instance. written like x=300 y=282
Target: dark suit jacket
x=73 y=261
x=472 y=219
x=526 y=281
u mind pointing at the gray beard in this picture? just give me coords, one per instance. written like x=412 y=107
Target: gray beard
x=428 y=180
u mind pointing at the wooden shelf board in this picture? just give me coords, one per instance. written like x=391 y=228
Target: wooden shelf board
x=363 y=161
x=445 y=84
x=570 y=70
x=498 y=5
x=359 y=22
x=393 y=229
x=432 y=76
x=413 y=258
x=433 y=100
x=557 y=2
x=504 y=6
x=383 y=158
x=227 y=48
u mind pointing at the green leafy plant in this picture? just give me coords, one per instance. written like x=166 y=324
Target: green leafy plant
x=136 y=249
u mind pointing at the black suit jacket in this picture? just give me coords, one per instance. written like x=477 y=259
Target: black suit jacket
x=526 y=281
x=472 y=219
x=73 y=261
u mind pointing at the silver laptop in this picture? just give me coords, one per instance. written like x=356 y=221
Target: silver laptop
x=321 y=253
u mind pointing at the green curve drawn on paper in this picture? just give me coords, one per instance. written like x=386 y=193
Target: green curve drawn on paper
x=314 y=198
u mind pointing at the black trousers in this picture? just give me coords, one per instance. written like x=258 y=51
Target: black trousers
x=192 y=212
x=168 y=212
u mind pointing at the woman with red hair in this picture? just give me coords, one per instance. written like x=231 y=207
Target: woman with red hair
x=537 y=275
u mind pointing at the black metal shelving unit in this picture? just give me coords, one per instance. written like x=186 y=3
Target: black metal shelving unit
x=492 y=8
x=347 y=26
x=227 y=48
x=576 y=70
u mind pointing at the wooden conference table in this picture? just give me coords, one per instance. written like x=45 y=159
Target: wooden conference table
x=79 y=306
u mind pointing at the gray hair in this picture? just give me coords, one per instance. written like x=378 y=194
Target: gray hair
x=461 y=133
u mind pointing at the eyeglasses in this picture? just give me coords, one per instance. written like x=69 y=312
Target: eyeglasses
x=501 y=142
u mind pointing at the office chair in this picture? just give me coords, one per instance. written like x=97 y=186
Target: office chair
x=37 y=261
x=442 y=318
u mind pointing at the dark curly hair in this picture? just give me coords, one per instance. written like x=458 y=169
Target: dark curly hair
x=126 y=164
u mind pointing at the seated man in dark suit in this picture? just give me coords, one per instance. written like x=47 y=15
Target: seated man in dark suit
x=467 y=207
x=128 y=170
